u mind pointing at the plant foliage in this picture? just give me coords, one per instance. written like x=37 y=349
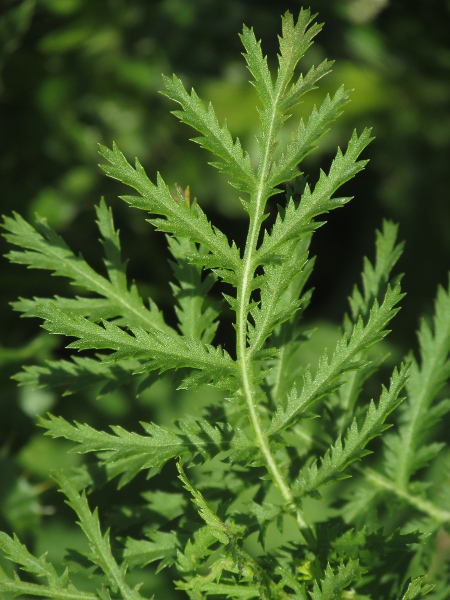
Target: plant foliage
x=238 y=522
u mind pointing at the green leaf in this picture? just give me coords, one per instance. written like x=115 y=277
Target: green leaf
x=265 y=514
x=44 y=249
x=240 y=586
x=195 y=320
x=257 y=65
x=406 y=451
x=295 y=40
x=375 y=279
x=271 y=311
x=417 y=589
x=288 y=337
x=303 y=140
x=252 y=459
x=335 y=583
x=78 y=374
x=158 y=350
x=218 y=529
x=344 y=359
x=127 y=453
x=61 y=587
x=238 y=561
x=353 y=542
x=111 y=244
x=305 y=84
x=277 y=99
x=180 y=220
x=215 y=138
x=341 y=455
x=296 y=220
x=100 y=549
x=57 y=586
x=196 y=550
x=162 y=546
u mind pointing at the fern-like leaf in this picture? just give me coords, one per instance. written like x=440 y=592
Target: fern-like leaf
x=78 y=374
x=341 y=455
x=417 y=589
x=334 y=583
x=257 y=65
x=157 y=350
x=162 y=546
x=375 y=278
x=44 y=249
x=297 y=219
x=237 y=561
x=180 y=219
x=100 y=549
x=344 y=359
x=288 y=337
x=61 y=587
x=295 y=39
x=303 y=140
x=57 y=586
x=194 y=319
x=271 y=312
x=407 y=451
x=215 y=138
x=126 y=453
x=253 y=455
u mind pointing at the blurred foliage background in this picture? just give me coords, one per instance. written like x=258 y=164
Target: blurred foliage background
x=74 y=73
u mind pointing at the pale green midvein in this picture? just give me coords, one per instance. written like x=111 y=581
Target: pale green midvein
x=441 y=516
x=243 y=357
x=279 y=369
x=380 y=481
x=44 y=591
x=404 y=459
x=109 y=290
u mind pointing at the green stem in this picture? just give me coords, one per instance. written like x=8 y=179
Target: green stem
x=424 y=506
x=43 y=591
x=416 y=410
x=380 y=481
x=244 y=358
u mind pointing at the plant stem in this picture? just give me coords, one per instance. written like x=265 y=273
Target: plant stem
x=244 y=358
x=420 y=504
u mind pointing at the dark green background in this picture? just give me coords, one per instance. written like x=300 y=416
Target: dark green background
x=77 y=72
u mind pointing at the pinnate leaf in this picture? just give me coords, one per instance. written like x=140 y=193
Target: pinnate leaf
x=344 y=359
x=334 y=583
x=180 y=219
x=215 y=138
x=127 y=453
x=342 y=454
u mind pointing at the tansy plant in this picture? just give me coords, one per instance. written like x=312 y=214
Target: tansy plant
x=237 y=519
